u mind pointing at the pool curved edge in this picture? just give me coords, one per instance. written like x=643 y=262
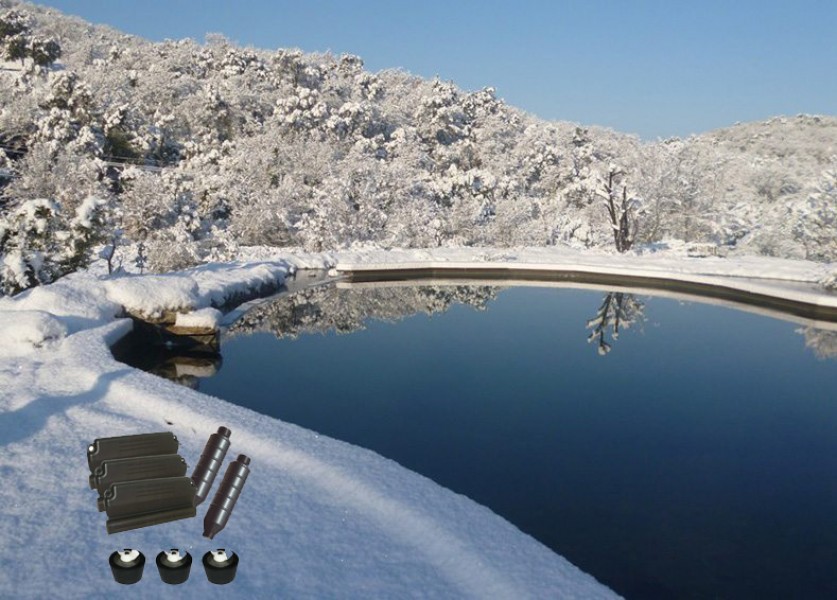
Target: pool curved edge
x=773 y=295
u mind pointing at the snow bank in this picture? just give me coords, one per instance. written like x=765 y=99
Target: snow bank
x=758 y=275
x=82 y=301
x=317 y=518
x=672 y=264
x=797 y=280
x=46 y=314
x=26 y=329
x=667 y=260
x=204 y=286
x=150 y=295
x=78 y=300
x=218 y=284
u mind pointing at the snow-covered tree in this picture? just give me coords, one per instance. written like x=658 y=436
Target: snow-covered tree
x=613 y=193
x=815 y=222
x=17 y=41
x=38 y=244
x=29 y=245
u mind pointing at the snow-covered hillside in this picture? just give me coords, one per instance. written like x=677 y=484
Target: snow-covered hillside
x=197 y=149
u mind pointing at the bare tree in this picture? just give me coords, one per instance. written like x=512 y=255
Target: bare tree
x=614 y=192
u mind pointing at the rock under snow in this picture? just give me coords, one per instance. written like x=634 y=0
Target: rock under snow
x=205 y=318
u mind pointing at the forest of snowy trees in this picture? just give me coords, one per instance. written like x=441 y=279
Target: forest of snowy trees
x=164 y=155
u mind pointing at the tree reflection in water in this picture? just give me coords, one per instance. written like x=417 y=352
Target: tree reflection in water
x=618 y=311
x=823 y=342
x=344 y=310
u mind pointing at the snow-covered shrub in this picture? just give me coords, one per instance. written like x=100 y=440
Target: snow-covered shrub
x=65 y=176
x=302 y=110
x=344 y=212
x=29 y=246
x=38 y=244
x=169 y=253
x=263 y=219
x=87 y=229
x=17 y=41
x=816 y=220
x=145 y=203
x=829 y=282
x=44 y=51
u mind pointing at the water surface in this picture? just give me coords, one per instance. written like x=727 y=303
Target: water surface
x=686 y=450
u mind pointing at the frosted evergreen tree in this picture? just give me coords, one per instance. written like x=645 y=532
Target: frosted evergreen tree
x=38 y=244
x=18 y=42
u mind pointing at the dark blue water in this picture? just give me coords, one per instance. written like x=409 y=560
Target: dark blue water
x=696 y=458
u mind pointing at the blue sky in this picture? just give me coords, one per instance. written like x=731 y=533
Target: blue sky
x=656 y=68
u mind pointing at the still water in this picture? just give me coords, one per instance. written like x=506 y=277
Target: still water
x=670 y=449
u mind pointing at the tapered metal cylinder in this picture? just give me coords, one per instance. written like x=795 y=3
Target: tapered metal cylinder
x=210 y=463
x=227 y=495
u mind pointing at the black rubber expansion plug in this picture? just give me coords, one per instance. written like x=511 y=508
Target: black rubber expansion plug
x=127 y=565
x=209 y=463
x=174 y=566
x=227 y=495
x=220 y=566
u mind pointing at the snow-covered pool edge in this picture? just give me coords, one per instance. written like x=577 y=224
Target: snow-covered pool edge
x=341 y=521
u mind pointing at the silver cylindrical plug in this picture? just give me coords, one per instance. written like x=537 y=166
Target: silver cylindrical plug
x=227 y=495
x=210 y=463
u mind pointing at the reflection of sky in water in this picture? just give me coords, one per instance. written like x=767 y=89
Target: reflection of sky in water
x=698 y=457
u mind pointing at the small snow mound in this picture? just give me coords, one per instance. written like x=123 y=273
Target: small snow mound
x=151 y=295
x=207 y=318
x=72 y=297
x=26 y=329
x=829 y=281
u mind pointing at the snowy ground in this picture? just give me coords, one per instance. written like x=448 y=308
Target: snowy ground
x=318 y=518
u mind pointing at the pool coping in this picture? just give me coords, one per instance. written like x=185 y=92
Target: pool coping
x=771 y=294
